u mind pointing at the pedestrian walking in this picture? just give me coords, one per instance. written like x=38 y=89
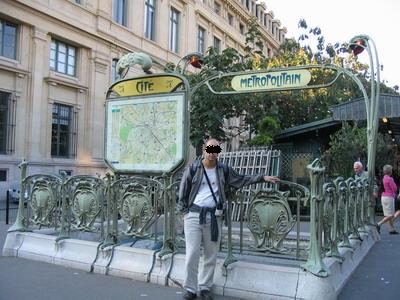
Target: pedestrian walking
x=388 y=200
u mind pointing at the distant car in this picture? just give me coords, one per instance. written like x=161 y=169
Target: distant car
x=14 y=195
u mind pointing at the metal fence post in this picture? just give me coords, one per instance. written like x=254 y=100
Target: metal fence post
x=315 y=263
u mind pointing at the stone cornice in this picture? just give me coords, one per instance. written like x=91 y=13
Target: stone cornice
x=19 y=71
x=55 y=81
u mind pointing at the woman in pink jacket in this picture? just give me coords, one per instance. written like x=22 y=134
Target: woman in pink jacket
x=387 y=199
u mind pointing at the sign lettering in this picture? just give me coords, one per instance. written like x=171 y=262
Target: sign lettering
x=147 y=86
x=271 y=80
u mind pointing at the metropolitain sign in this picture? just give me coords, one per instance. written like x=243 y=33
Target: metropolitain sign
x=271 y=80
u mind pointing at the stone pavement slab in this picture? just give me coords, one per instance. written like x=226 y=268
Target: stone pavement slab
x=22 y=279
x=378 y=276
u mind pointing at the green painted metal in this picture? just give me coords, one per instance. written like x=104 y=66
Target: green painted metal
x=21 y=220
x=315 y=264
x=338 y=209
x=86 y=201
x=353 y=209
x=331 y=220
x=343 y=213
x=89 y=203
x=184 y=90
x=372 y=105
x=130 y=59
x=44 y=194
x=139 y=202
x=170 y=196
x=360 y=205
x=270 y=220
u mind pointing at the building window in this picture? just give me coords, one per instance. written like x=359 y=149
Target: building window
x=201 y=35
x=149 y=19
x=241 y=28
x=119 y=11
x=3 y=175
x=248 y=4
x=78 y=1
x=230 y=19
x=62 y=58
x=217 y=45
x=114 y=75
x=8 y=39
x=174 y=30
x=217 y=8
x=63 y=133
x=7 y=122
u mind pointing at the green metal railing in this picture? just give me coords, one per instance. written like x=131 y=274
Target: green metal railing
x=126 y=209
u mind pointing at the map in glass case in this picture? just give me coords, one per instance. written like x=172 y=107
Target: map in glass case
x=145 y=134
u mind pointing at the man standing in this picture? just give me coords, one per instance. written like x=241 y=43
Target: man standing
x=202 y=195
x=359 y=170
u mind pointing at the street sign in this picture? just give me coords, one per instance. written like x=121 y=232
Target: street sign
x=271 y=80
x=146 y=85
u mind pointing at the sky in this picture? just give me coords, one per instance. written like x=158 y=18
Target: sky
x=341 y=20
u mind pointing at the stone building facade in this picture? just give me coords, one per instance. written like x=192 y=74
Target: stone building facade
x=58 y=57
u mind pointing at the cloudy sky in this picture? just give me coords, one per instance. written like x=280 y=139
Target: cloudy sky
x=340 y=20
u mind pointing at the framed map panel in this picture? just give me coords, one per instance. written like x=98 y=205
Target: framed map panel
x=145 y=134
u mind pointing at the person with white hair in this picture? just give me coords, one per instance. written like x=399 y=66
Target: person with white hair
x=359 y=170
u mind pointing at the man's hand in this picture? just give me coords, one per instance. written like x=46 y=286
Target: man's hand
x=272 y=179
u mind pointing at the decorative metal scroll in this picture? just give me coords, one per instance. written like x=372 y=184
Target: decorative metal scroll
x=139 y=201
x=353 y=213
x=343 y=212
x=360 y=205
x=85 y=200
x=315 y=263
x=44 y=193
x=331 y=220
x=270 y=220
x=366 y=202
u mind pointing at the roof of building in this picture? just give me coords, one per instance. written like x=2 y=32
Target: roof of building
x=389 y=107
x=300 y=129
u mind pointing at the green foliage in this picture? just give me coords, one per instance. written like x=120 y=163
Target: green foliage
x=209 y=111
x=267 y=128
x=288 y=108
x=349 y=144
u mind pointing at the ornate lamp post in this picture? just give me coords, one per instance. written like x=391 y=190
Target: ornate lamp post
x=357 y=45
x=194 y=58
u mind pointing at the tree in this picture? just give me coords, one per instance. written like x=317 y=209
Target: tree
x=349 y=144
x=299 y=107
x=209 y=112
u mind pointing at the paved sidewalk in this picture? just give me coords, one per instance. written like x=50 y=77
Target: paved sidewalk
x=22 y=279
x=378 y=276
